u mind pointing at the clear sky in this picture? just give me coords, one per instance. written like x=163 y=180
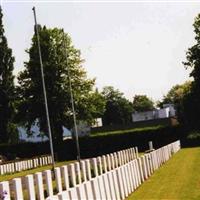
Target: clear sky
x=136 y=47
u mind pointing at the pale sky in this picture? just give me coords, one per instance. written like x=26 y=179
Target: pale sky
x=136 y=47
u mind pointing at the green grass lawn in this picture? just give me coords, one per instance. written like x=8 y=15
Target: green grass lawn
x=31 y=171
x=179 y=178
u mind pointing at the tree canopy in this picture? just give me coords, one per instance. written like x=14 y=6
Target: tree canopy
x=55 y=46
x=142 y=103
x=176 y=94
x=7 y=88
x=118 y=109
x=191 y=101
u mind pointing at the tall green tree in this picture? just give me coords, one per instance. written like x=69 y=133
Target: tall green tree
x=142 y=103
x=54 y=46
x=177 y=96
x=191 y=102
x=118 y=109
x=92 y=107
x=7 y=89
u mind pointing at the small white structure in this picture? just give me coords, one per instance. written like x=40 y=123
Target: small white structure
x=171 y=109
x=97 y=122
x=143 y=116
x=37 y=136
x=165 y=112
x=83 y=129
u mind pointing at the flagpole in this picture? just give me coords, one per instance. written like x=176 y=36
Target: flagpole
x=72 y=102
x=44 y=90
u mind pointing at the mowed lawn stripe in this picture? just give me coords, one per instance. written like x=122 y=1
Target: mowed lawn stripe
x=179 y=178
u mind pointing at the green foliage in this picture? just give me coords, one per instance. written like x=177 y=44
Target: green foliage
x=142 y=103
x=191 y=101
x=99 y=145
x=118 y=109
x=142 y=124
x=7 y=89
x=194 y=135
x=176 y=94
x=148 y=128
x=92 y=107
x=55 y=46
x=13 y=133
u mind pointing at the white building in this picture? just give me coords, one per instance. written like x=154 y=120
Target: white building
x=97 y=123
x=37 y=135
x=165 y=112
x=83 y=129
x=143 y=116
x=171 y=109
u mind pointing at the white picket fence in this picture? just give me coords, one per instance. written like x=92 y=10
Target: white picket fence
x=17 y=166
x=112 y=176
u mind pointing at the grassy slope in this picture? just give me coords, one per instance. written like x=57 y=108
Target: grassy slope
x=179 y=179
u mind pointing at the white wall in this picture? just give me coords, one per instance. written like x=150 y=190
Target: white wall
x=143 y=116
x=172 y=111
x=36 y=137
x=167 y=111
x=163 y=113
x=97 y=122
x=83 y=129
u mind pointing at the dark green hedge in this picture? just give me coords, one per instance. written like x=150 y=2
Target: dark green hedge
x=94 y=146
x=141 y=124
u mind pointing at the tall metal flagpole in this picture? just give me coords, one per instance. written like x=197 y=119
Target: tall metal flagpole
x=44 y=90
x=72 y=101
